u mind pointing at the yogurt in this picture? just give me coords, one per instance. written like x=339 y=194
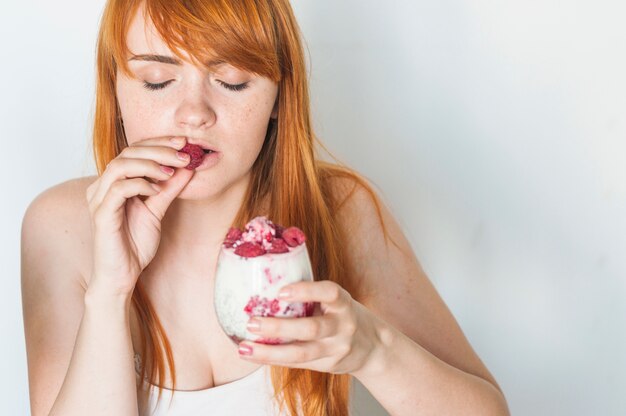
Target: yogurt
x=247 y=284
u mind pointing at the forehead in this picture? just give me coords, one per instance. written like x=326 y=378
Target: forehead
x=144 y=43
x=143 y=38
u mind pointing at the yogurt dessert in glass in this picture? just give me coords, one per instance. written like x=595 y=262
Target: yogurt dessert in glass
x=252 y=267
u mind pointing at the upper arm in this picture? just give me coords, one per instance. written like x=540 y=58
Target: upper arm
x=395 y=283
x=52 y=293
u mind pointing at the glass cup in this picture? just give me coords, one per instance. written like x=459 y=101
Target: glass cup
x=247 y=287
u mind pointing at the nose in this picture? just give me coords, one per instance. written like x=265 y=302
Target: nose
x=195 y=112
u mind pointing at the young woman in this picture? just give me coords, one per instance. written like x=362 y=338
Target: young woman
x=118 y=268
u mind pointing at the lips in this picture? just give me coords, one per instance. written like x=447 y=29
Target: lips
x=207 y=148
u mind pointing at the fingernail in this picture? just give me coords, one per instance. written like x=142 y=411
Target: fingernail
x=182 y=156
x=284 y=293
x=167 y=170
x=177 y=140
x=254 y=325
x=245 y=349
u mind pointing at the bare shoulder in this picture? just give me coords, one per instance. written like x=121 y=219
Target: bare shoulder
x=377 y=242
x=396 y=287
x=57 y=221
x=60 y=198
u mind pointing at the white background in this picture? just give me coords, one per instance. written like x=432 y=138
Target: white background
x=495 y=132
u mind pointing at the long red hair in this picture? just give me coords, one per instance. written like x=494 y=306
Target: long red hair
x=262 y=37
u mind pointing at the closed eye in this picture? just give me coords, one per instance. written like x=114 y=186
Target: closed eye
x=231 y=87
x=154 y=87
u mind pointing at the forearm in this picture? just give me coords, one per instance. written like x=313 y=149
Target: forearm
x=408 y=380
x=100 y=379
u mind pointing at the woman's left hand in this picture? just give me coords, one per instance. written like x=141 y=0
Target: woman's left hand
x=341 y=340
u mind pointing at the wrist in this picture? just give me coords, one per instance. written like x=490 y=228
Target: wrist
x=96 y=296
x=379 y=357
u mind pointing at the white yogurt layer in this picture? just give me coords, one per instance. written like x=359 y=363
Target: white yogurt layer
x=241 y=282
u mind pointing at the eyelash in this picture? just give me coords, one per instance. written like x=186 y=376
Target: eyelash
x=154 y=87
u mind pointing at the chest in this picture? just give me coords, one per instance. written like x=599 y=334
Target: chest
x=203 y=355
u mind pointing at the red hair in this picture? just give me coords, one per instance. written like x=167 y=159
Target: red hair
x=262 y=37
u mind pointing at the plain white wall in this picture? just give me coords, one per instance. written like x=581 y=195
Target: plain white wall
x=495 y=131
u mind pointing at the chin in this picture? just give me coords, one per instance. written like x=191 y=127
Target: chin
x=197 y=190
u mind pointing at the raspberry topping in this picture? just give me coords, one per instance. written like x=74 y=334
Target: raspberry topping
x=196 y=153
x=261 y=236
x=278 y=246
x=232 y=236
x=248 y=249
x=259 y=230
x=279 y=231
x=293 y=236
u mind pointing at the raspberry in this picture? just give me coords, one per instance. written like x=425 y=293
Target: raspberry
x=278 y=246
x=232 y=236
x=262 y=306
x=196 y=153
x=299 y=309
x=309 y=308
x=248 y=249
x=293 y=236
x=261 y=236
x=279 y=230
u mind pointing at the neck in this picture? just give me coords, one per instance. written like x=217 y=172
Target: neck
x=192 y=231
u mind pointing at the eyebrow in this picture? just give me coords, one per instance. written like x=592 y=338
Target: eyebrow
x=170 y=60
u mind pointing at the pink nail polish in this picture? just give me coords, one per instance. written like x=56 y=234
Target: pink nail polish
x=245 y=349
x=284 y=293
x=182 y=155
x=167 y=170
x=253 y=325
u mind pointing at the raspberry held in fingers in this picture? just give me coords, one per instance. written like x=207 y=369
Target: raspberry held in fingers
x=196 y=153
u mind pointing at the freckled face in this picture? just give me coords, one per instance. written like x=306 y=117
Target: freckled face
x=227 y=108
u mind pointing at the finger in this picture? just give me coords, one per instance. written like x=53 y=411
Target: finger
x=110 y=175
x=173 y=142
x=296 y=355
x=155 y=162
x=117 y=195
x=303 y=329
x=162 y=154
x=120 y=169
x=325 y=292
x=159 y=203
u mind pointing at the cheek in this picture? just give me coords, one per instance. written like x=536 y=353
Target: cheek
x=251 y=122
x=141 y=119
x=249 y=142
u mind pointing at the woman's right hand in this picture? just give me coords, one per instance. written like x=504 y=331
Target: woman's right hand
x=126 y=228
